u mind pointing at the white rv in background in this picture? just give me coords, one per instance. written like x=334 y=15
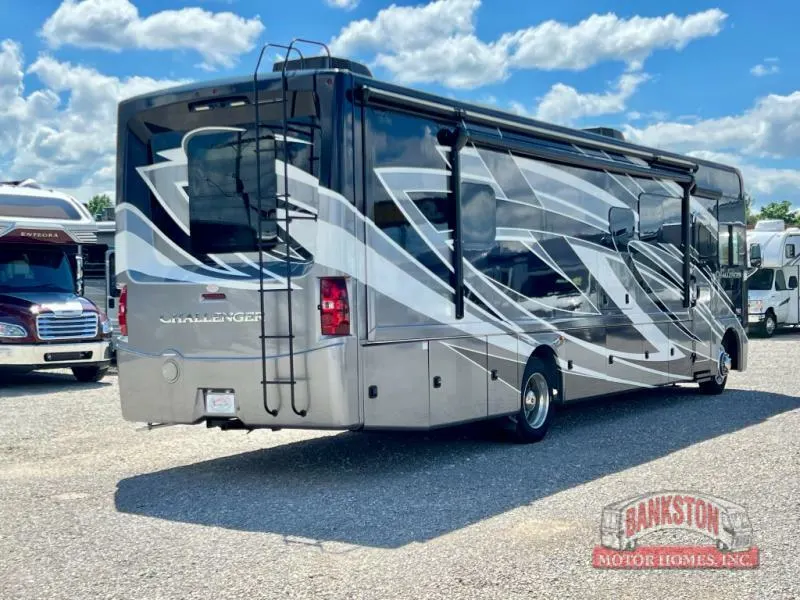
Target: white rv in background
x=772 y=298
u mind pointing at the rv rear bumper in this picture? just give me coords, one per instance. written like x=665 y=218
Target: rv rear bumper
x=54 y=356
x=171 y=388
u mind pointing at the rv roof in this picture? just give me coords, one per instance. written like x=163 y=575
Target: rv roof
x=29 y=205
x=244 y=84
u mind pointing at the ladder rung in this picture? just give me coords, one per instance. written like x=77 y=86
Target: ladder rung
x=276 y=337
x=264 y=291
x=281 y=382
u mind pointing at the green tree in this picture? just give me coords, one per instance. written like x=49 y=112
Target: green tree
x=780 y=210
x=98 y=204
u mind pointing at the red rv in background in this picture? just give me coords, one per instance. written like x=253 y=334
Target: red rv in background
x=45 y=322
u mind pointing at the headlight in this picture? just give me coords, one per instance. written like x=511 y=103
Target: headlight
x=9 y=330
x=106 y=327
x=756 y=306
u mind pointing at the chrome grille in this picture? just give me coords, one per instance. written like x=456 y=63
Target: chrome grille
x=54 y=327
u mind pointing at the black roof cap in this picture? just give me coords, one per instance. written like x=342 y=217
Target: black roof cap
x=323 y=62
x=607 y=131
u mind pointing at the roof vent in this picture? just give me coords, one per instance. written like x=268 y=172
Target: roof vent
x=323 y=62
x=607 y=132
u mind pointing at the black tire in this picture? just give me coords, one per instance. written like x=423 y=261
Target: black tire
x=768 y=328
x=532 y=424
x=89 y=374
x=713 y=387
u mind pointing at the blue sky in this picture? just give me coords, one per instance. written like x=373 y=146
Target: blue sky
x=717 y=80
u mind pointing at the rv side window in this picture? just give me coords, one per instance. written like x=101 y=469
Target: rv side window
x=724 y=246
x=790 y=250
x=706 y=244
x=780 y=281
x=738 y=246
x=622 y=225
x=223 y=191
x=660 y=218
x=478 y=217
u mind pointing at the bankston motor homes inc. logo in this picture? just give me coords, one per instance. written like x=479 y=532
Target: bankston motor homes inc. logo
x=623 y=524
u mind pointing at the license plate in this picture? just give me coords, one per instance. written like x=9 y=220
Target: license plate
x=220 y=403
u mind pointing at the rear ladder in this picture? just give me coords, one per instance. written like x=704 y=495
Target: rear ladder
x=281 y=202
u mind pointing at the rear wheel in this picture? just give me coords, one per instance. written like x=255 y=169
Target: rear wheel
x=537 y=402
x=89 y=374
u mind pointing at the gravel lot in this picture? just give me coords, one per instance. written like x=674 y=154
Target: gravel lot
x=92 y=508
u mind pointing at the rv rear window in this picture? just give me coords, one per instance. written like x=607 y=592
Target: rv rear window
x=37 y=207
x=224 y=190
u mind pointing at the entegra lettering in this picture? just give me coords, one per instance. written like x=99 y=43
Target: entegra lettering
x=233 y=317
x=38 y=234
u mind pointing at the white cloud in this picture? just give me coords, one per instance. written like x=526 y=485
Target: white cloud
x=343 y=4
x=770 y=128
x=654 y=115
x=564 y=104
x=599 y=38
x=69 y=144
x=770 y=68
x=436 y=42
x=115 y=25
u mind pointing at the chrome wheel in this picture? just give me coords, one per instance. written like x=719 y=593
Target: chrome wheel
x=724 y=366
x=536 y=401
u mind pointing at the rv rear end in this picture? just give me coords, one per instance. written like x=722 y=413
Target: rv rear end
x=208 y=330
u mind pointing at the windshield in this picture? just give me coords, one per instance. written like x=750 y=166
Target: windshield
x=23 y=270
x=761 y=280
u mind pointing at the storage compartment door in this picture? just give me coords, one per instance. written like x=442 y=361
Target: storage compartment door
x=458 y=379
x=395 y=385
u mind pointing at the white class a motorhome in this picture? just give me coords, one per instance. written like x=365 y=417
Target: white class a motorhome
x=772 y=288
x=316 y=248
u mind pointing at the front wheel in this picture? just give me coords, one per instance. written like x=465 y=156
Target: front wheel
x=770 y=325
x=716 y=385
x=537 y=408
x=89 y=374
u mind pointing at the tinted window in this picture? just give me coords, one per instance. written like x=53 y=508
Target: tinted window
x=706 y=244
x=660 y=218
x=478 y=216
x=223 y=191
x=622 y=225
x=724 y=246
x=780 y=281
x=739 y=247
x=35 y=270
x=761 y=280
x=518 y=268
x=37 y=207
x=437 y=208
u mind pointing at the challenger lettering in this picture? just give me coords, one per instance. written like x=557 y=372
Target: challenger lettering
x=230 y=317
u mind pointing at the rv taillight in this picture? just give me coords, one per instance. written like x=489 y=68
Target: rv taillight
x=122 y=311
x=334 y=306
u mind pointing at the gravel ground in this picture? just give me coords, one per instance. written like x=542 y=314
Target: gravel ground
x=92 y=508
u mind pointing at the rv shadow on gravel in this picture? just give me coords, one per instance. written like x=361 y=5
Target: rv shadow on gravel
x=35 y=383
x=390 y=489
